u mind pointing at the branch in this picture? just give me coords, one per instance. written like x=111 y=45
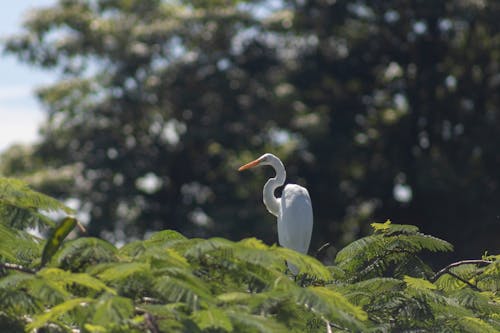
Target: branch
x=15 y=267
x=151 y=323
x=322 y=247
x=446 y=270
x=374 y=262
x=474 y=287
x=150 y=300
x=328 y=327
x=149 y=320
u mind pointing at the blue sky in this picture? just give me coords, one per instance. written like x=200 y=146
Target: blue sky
x=20 y=113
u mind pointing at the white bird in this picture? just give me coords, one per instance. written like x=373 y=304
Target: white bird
x=293 y=209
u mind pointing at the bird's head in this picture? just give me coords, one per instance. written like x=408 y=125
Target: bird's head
x=266 y=159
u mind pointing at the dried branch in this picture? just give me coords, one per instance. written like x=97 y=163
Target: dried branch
x=150 y=300
x=447 y=269
x=322 y=248
x=150 y=322
x=15 y=267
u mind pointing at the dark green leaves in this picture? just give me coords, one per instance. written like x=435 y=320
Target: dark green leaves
x=112 y=309
x=22 y=208
x=17 y=193
x=392 y=247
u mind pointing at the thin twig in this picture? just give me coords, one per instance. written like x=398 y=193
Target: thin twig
x=328 y=327
x=474 y=287
x=15 y=267
x=150 y=300
x=151 y=323
x=330 y=324
x=446 y=270
x=322 y=247
x=374 y=262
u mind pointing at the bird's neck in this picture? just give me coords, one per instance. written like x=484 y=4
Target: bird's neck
x=272 y=203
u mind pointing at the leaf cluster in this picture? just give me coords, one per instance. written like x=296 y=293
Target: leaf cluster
x=171 y=283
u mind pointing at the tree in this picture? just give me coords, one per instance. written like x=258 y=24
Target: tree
x=381 y=108
x=402 y=97
x=147 y=108
x=170 y=283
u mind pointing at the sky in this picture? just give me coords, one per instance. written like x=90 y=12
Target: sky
x=20 y=113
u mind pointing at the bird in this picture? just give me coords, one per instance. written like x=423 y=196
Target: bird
x=293 y=210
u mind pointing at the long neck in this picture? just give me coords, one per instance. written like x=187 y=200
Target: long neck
x=272 y=203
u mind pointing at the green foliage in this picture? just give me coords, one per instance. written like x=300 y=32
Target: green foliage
x=171 y=283
x=21 y=207
x=359 y=98
x=392 y=249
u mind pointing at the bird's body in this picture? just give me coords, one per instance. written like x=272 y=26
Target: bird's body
x=294 y=228
x=293 y=209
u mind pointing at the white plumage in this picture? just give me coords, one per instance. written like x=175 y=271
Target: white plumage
x=293 y=209
x=295 y=221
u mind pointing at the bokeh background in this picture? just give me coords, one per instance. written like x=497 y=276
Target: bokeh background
x=382 y=109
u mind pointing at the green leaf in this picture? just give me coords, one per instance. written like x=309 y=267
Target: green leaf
x=234 y=296
x=203 y=247
x=17 y=193
x=306 y=264
x=165 y=257
x=56 y=238
x=352 y=251
x=419 y=284
x=244 y=322
x=66 y=278
x=473 y=325
x=80 y=253
x=114 y=309
x=95 y=328
x=212 y=318
x=166 y=235
x=133 y=249
x=330 y=303
x=22 y=218
x=388 y=228
x=253 y=243
x=178 y=285
x=18 y=246
x=57 y=311
x=18 y=302
x=381 y=226
x=118 y=271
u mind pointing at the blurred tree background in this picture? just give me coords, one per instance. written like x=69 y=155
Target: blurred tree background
x=382 y=109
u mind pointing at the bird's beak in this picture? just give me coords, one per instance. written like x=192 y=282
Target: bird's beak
x=249 y=165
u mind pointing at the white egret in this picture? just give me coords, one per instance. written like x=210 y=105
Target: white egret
x=293 y=209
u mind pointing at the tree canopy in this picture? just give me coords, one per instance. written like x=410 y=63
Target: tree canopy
x=380 y=108
x=171 y=283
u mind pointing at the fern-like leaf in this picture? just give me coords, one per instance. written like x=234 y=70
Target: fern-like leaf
x=18 y=246
x=178 y=285
x=66 y=279
x=243 y=322
x=17 y=193
x=78 y=254
x=57 y=311
x=212 y=318
x=333 y=306
x=112 y=309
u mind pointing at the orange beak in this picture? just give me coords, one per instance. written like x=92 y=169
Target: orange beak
x=249 y=165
